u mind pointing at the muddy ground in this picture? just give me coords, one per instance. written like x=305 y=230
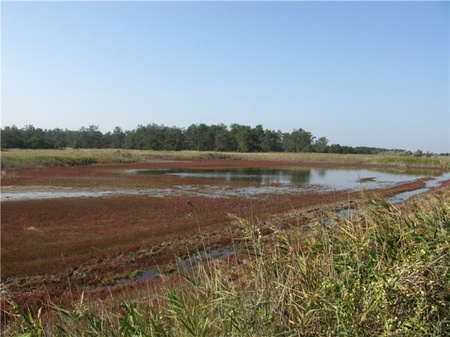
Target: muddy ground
x=56 y=249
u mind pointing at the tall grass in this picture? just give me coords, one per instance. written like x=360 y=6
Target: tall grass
x=382 y=272
x=70 y=157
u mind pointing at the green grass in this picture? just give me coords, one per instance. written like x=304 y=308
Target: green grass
x=383 y=272
x=11 y=159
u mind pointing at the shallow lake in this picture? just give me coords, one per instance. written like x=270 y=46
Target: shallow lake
x=328 y=178
x=215 y=183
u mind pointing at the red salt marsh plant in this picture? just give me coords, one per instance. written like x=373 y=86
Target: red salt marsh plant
x=384 y=272
x=37 y=233
x=82 y=228
x=86 y=241
x=90 y=240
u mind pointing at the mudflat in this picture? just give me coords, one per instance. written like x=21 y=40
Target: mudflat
x=81 y=229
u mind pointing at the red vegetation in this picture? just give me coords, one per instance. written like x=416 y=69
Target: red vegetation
x=54 y=249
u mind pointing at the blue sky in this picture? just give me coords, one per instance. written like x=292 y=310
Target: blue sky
x=358 y=73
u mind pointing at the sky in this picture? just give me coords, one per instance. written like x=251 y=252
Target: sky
x=359 y=73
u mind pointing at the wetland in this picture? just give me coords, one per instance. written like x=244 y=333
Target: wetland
x=106 y=226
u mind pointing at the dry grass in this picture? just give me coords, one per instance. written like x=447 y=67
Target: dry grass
x=32 y=158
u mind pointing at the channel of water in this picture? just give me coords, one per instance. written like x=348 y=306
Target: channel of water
x=429 y=184
x=182 y=265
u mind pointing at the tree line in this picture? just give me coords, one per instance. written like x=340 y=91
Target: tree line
x=198 y=137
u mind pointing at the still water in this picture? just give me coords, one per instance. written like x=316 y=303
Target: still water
x=329 y=178
x=218 y=183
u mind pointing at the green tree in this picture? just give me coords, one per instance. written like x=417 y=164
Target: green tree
x=242 y=136
x=205 y=138
x=222 y=138
x=35 y=138
x=131 y=140
x=320 y=145
x=89 y=138
x=298 y=140
x=200 y=137
x=257 y=138
x=11 y=137
x=418 y=153
x=118 y=138
x=191 y=138
x=272 y=141
x=57 y=138
x=334 y=148
x=173 y=139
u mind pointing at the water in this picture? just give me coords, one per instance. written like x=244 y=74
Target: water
x=261 y=181
x=428 y=185
x=182 y=265
x=337 y=179
x=331 y=178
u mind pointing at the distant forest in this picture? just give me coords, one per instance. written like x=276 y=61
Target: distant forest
x=197 y=137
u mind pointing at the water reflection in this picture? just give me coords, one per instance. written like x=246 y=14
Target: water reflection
x=261 y=176
x=261 y=181
x=332 y=178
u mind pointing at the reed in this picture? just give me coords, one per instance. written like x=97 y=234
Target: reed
x=382 y=272
x=16 y=158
